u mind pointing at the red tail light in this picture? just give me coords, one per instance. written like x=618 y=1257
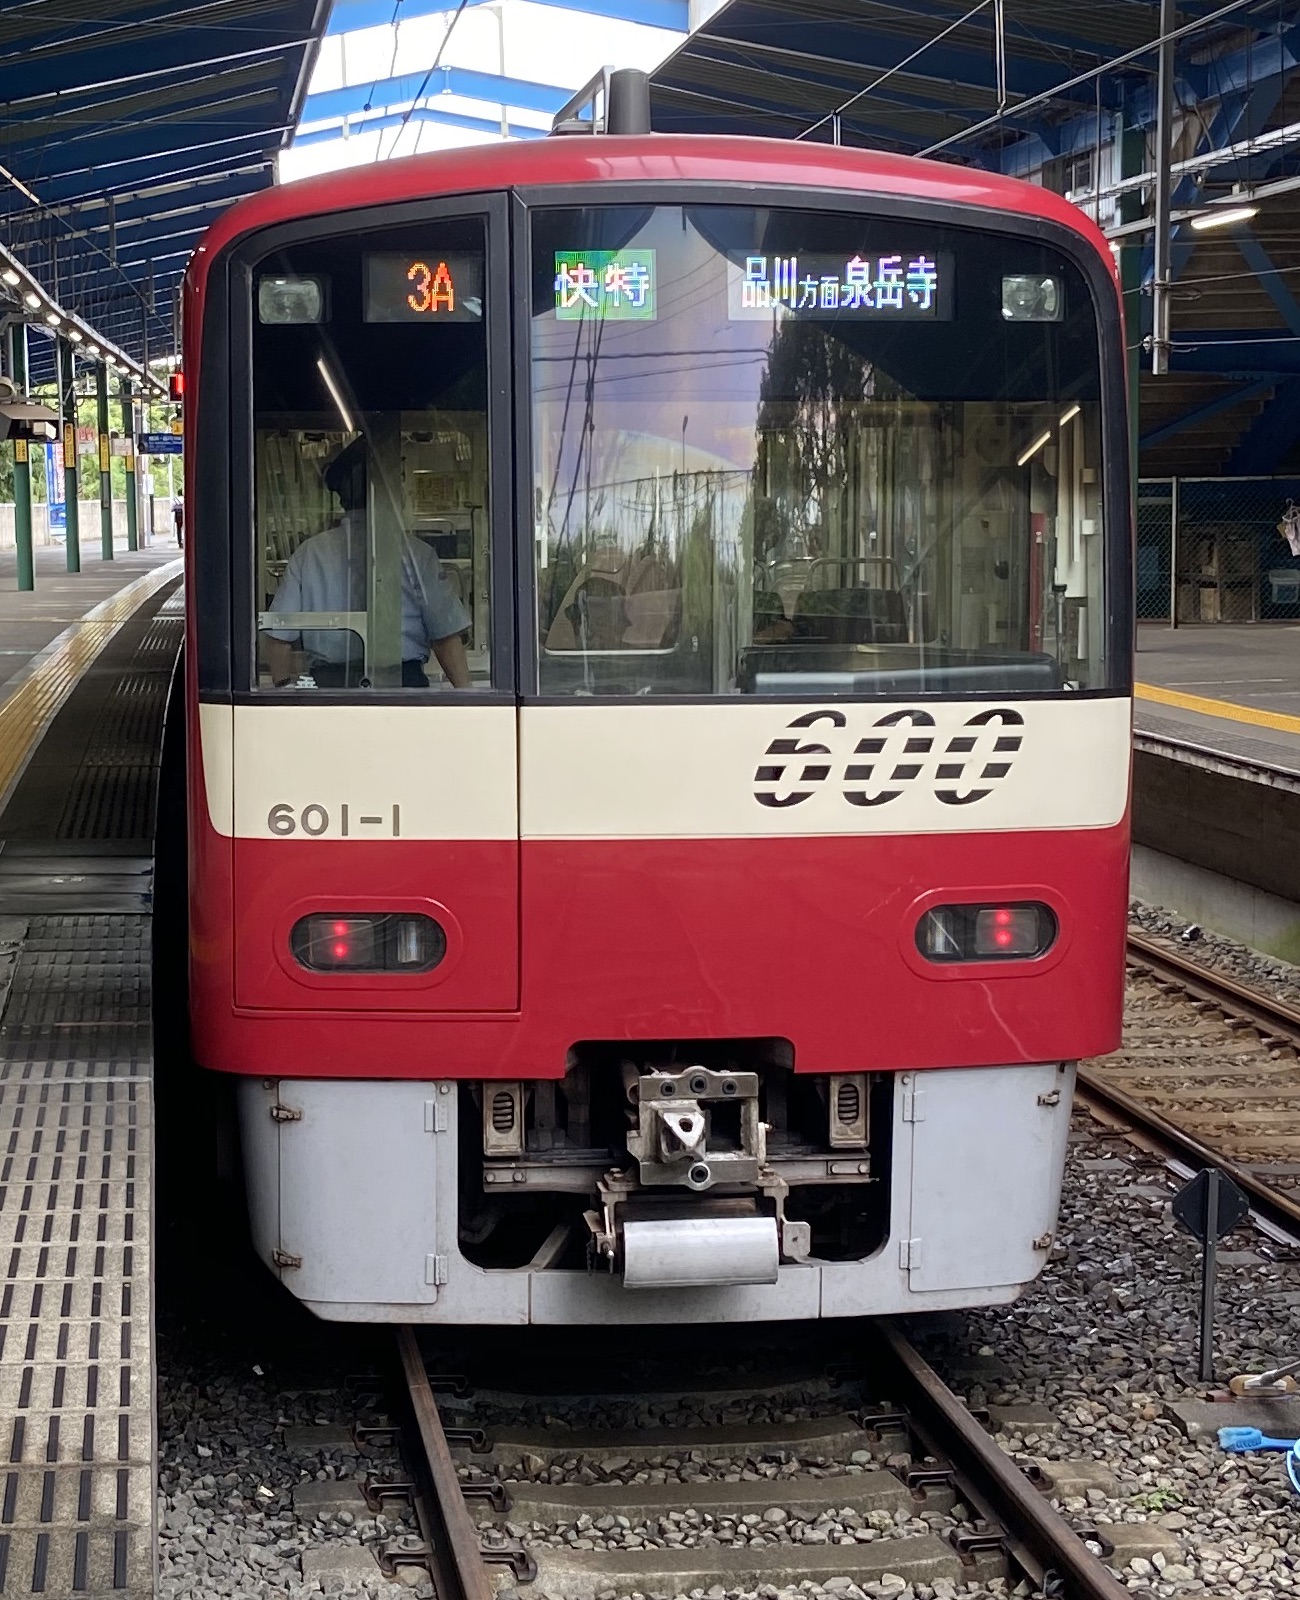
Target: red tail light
x=400 y=941
x=986 y=933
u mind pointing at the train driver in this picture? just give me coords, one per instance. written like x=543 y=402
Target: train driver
x=328 y=573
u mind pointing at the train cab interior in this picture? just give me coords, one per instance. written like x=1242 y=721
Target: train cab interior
x=426 y=481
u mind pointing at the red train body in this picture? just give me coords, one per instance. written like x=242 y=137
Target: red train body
x=691 y=903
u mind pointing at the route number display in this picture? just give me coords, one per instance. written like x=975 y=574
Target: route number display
x=424 y=286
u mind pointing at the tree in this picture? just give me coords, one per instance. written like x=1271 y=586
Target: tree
x=809 y=419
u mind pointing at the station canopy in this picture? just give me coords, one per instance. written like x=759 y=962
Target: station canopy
x=1064 y=93
x=131 y=124
x=398 y=76
x=128 y=127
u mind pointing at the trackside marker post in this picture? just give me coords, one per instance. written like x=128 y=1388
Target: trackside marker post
x=1209 y=1206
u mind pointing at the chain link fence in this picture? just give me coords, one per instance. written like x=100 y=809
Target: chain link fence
x=1210 y=550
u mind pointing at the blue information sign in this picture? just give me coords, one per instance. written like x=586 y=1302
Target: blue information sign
x=159 y=444
x=58 y=510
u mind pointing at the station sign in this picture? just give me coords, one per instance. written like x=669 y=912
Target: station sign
x=159 y=444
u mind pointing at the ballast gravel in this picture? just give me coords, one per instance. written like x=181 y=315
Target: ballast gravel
x=230 y=1394
x=1105 y=1343
x=1277 y=978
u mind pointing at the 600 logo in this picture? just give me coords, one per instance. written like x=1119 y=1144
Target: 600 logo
x=899 y=749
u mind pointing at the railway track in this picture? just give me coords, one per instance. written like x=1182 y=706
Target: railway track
x=874 y=1474
x=1219 y=1089
x=865 y=1479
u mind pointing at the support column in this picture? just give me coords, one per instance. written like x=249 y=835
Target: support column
x=22 y=465
x=1132 y=153
x=132 y=507
x=1162 y=242
x=105 y=462
x=71 y=487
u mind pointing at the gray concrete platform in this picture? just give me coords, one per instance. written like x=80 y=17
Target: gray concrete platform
x=1233 y=688
x=31 y=619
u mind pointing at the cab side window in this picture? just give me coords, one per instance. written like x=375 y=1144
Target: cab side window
x=371 y=462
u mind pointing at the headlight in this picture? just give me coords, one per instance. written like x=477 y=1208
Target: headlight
x=1032 y=297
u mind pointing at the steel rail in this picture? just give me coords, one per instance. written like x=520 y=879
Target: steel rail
x=1274 y=1018
x=1176 y=1144
x=1035 y=1535
x=460 y=1572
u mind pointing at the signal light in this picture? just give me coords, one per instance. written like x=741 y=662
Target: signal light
x=403 y=941
x=1020 y=931
x=176 y=386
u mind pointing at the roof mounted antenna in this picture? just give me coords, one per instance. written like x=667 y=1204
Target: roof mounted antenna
x=617 y=100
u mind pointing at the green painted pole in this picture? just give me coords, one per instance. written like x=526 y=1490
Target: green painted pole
x=128 y=428
x=105 y=463
x=71 y=487
x=22 y=467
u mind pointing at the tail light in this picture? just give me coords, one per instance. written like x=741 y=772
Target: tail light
x=986 y=932
x=399 y=941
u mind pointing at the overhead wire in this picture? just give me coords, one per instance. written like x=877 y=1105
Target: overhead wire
x=392 y=60
x=1126 y=59
x=831 y=116
x=424 y=82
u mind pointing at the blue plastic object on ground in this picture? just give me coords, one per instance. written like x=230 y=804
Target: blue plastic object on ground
x=1240 y=1440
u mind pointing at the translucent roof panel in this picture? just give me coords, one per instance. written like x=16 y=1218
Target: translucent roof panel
x=392 y=79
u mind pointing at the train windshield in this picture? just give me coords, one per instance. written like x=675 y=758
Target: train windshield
x=370 y=451
x=788 y=452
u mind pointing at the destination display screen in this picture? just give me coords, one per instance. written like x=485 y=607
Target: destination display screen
x=425 y=286
x=883 y=286
x=611 y=284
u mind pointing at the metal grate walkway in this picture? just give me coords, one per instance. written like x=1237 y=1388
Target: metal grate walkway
x=76 y=1511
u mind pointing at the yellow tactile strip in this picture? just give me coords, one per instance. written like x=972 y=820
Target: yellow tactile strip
x=1228 y=709
x=36 y=694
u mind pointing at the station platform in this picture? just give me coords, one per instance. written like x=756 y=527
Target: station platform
x=1230 y=689
x=84 y=677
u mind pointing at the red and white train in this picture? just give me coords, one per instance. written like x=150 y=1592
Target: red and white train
x=658 y=694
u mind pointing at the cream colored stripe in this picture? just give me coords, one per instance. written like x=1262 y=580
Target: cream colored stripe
x=36 y=694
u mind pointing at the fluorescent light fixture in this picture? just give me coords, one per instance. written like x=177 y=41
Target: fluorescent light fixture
x=10 y=277
x=1028 y=455
x=32 y=299
x=1070 y=415
x=74 y=335
x=92 y=349
x=335 y=395
x=53 y=318
x=1223 y=216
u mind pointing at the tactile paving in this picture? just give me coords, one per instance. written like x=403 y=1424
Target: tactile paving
x=76 y=1430
x=94 y=777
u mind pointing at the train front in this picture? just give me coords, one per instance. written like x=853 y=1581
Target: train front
x=659 y=745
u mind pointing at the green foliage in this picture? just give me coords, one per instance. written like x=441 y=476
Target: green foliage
x=87 y=459
x=1157 y=1500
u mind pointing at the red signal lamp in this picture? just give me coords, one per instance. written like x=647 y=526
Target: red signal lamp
x=176 y=386
x=368 y=942
x=1023 y=931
